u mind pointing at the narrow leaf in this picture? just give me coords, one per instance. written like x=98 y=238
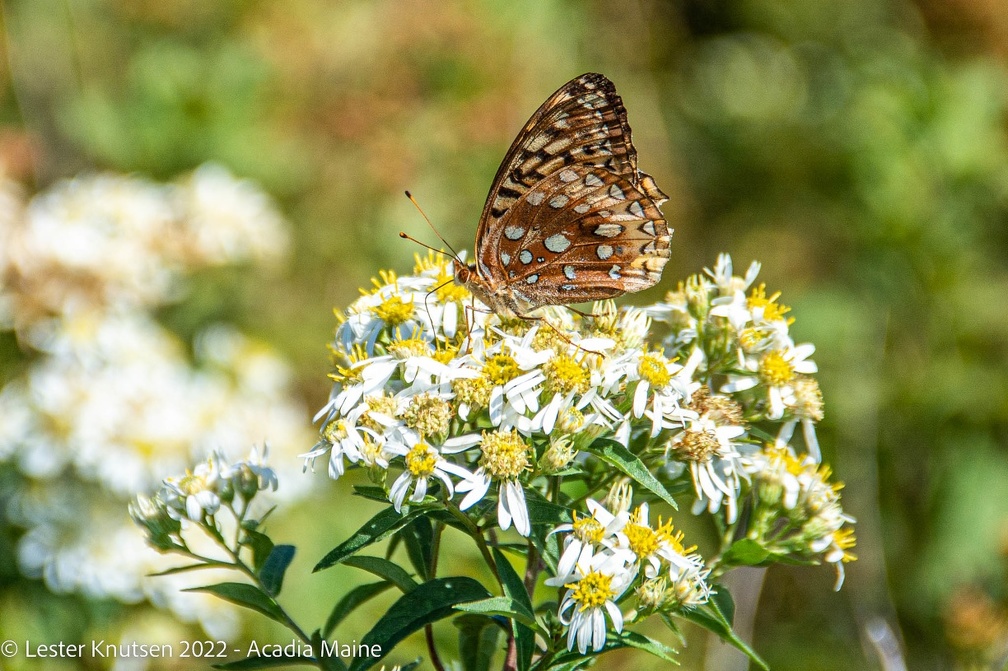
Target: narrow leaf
x=746 y=552
x=245 y=595
x=261 y=545
x=418 y=537
x=377 y=528
x=273 y=569
x=628 y=639
x=711 y=618
x=354 y=598
x=427 y=603
x=514 y=588
x=383 y=568
x=616 y=455
x=478 y=637
x=506 y=606
x=192 y=567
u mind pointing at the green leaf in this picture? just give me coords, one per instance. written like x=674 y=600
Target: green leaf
x=514 y=588
x=713 y=619
x=627 y=639
x=616 y=455
x=192 y=567
x=371 y=492
x=349 y=603
x=418 y=536
x=261 y=545
x=746 y=552
x=428 y=603
x=545 y=512
x=506 y=606
x=245 y=595
x=378 y=528
x=478 y=637
x=273 y=569
x=383 y=568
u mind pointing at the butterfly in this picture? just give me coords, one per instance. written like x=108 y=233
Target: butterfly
x=569 y=217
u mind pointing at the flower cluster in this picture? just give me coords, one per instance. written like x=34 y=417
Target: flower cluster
x=107 y=399
x=445 y=403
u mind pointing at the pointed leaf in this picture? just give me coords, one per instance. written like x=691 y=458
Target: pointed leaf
x=506 y=606
x=383 y=568
x=514 y=587
x=245 y=595
x=350 y=601
x=711 y=617
x=616 y=455
x=192 y=567
x=378 y=528
x=627 y=639
x=478 y=638
x=261 y=545
x=371 y=492
x=418 y=537
x=427 y=603
x=273 y=569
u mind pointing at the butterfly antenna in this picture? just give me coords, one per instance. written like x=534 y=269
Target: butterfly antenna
x=427 y=219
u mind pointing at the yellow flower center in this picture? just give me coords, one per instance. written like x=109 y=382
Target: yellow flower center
x=845 y=540
x=697 y=445
x=592 y=591
x=393 y=311
x=809 y=398
x=772 y=311
x=719 y=409
x=428 y=414
x=421 y=460
x=381 y=404
x=641 y=539
x=653 y=367
x=775 y=370
x=474 y=392
x=371 y=452
x=404 y=349
x=588 y=529
x=335 y=431
x=564 y=375
x=505 y=454
x=500 y=369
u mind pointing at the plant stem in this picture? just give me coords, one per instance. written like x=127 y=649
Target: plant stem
x=432 y=571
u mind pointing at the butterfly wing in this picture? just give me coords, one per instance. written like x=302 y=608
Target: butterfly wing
x=583 y=122
x=581 y=234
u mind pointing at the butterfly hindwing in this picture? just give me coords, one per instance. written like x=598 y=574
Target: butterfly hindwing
x=582 y=234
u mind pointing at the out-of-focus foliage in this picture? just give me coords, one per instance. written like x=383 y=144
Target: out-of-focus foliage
x=857 y=148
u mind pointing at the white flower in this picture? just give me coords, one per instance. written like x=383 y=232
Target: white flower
x=504 y=457
x=194 y=494
x=593 y=586
x=588 y=535
x=423 y=462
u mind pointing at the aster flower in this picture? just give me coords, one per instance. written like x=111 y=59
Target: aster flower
x=593 y=586
x=422 y=462
x=504 y=457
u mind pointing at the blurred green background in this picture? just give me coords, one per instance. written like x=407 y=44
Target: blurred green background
x=857 y=148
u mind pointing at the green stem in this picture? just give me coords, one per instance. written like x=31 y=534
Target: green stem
x=432 y=572
x=477 y=535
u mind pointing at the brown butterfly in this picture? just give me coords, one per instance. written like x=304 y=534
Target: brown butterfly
x=569 y=217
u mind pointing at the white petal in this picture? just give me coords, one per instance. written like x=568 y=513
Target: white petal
x=640 y=398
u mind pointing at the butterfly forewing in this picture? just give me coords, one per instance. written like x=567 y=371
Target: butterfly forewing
x=569 y=218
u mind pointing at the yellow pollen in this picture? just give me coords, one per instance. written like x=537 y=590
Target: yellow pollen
x=445 y=355
x=382 y=404
x=772 y=311
x=346 y=373
x=335 y=431
x=421 y=460
x=393 y=311
x=697 y=445
x=505 y=454
x=775 y=370
x=403 y=349
x=653 y=367
x=592 y=591
x=844 y=538
x=641 y=539
x=564 y=375
x=588 y=529
x=500 y=369
x=432 y=261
